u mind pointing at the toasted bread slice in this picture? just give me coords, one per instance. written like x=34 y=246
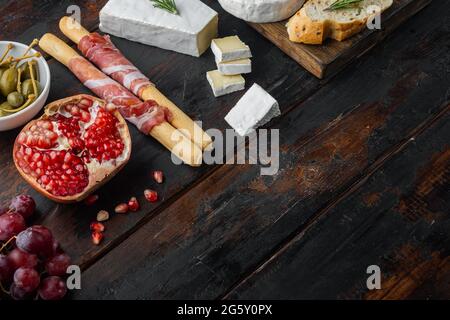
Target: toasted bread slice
x=312 y=24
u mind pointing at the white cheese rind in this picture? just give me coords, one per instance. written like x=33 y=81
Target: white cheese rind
x=253 y=110
x=242 y=51
x=190 y=32
x=262 y=11
x=222 y=85
x=230 y=68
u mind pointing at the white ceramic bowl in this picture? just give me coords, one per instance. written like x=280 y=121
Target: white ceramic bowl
x=22 y=117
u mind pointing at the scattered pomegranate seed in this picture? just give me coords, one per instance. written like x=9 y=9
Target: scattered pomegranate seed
x=89 y=201
x=122 y=208
x=97 y=226
x=151 y=195
x=133 y=204
x=158 y=176
x=102 y=215
x=97 y=237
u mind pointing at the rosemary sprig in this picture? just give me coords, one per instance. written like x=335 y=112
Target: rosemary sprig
x=168 y=5
x=342 y=4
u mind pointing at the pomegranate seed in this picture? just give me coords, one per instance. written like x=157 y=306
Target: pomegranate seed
x=102 y=215
x=151 y=195
x=89 y=201
x=97 y=237
x=121 y=208
x=133 y=204
x=97 y=226
x=158 y=176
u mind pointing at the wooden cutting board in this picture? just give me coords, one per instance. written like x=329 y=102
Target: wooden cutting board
x=327 y=59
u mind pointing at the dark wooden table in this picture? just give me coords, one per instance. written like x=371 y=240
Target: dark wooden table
x=363 y=180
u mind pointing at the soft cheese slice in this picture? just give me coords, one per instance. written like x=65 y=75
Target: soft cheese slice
x=222 y=85
x=229 y=49
x=235 y=67
x=189 y=32
x=253 y=110
x=262 y=11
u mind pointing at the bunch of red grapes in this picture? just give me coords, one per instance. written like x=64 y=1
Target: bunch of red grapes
x=32 y=263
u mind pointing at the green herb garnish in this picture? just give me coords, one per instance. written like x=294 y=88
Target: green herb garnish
x=168 y=5
x=342 y=4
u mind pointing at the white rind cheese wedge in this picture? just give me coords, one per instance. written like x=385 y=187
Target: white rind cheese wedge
x=190 y=32
x=262 y=11
x=230 y=68
x=229 y=49
x=222 y=85
x=253 y=110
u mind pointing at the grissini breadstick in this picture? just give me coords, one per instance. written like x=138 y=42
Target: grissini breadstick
x=101 y=51
x=148 y=116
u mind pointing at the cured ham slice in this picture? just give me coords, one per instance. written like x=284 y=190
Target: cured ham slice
x=103 y=53
x=144 y=115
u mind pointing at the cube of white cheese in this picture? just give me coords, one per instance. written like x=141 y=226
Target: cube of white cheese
x=222 y=85
x=241 y=66
x=254 y=109
x=190 y=31
x=229 y=49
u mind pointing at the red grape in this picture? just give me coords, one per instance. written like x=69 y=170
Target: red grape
x=27 y=279
x=52 y=288
x=24 y=205
x=18 y=293
x=36 y=240
x=20 y=258
x=56 y=248
x=11 y=224
x=57 y=265
x=6 y=270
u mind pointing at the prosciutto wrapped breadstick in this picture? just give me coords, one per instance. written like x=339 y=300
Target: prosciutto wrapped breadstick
x=102 y=52
x=149 y=117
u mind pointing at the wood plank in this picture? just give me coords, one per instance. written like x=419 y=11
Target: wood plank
x=228 y=223
x=398 y=220
x=183 y=79
x=26 y=20
x=327 y=59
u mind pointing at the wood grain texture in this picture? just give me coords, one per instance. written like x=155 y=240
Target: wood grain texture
x=373 y=227
x=327 y=59
x=26 y=20
x=183 y=79
x=228 y=224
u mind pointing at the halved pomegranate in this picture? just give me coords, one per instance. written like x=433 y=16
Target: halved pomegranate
x=74 y=148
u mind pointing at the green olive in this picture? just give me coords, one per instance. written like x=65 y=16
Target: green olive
x=8 y=81
x=26 y=70
x=15 y=99
x=27 y=87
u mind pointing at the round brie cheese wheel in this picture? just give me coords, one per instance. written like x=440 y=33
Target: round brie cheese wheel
x=262 y=11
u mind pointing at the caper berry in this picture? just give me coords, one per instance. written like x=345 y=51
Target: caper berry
x=15 y=99
x=27 y=88
x=8 y=81
x=26 y=70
